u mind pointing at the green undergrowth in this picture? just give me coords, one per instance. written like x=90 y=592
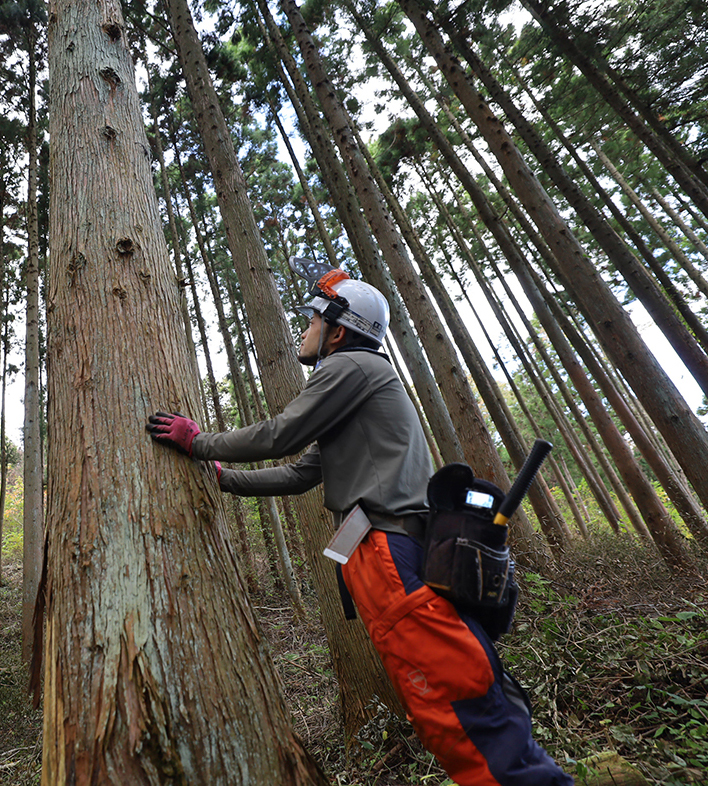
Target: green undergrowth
x=613 y=651
x=20 y=725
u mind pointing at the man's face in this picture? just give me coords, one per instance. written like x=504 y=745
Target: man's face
x=309 y=344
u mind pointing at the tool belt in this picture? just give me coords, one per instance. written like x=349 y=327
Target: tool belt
x=465 y=556
x=413 y=524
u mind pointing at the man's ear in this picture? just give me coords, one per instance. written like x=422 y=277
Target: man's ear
x=339 y=335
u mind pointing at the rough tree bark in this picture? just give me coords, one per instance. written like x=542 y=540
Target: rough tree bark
x=155 y=671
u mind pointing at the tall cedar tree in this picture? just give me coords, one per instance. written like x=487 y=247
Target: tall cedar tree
x=33 y=513
x=155 y=668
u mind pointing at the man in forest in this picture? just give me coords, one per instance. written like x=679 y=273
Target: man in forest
x=367 y=447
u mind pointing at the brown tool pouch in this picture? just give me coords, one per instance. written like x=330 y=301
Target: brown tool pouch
x=465 y=556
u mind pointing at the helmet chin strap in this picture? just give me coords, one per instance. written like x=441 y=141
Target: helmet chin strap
x=323 y=324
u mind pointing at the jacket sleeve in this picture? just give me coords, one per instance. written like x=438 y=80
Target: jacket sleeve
x=335 y=390
x=295 y=478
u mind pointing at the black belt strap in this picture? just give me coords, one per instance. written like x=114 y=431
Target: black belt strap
x=347 y=600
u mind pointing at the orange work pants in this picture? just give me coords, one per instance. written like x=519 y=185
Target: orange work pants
x=463 y=706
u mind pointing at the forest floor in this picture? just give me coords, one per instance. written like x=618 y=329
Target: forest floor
x=612 y=649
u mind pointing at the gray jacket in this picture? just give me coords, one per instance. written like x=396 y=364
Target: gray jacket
x=366 y=442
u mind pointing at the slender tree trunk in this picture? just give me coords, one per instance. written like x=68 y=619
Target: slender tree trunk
x=361 y=675
x=656 y=227
x=227 y=342
x=457 y=166
x=577 y=498
x=683 y=502
x=295 y=543
x=573 y=443
x=527 y=413
x=698 y=244
x=33 y=510
x=5 y=345
x=237 y=506
x=276 y=548
x=550 y=519
x=668 y=286
x=203 y=336
x=663 y=530
x=166 y=192
x=312 y=203
x=684 y=433
x=696 y=217
x=270 y=515
x=148 y=624
x=512 y=252
x=4 y=318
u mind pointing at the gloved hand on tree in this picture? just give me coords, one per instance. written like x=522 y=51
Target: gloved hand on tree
x=173 y=430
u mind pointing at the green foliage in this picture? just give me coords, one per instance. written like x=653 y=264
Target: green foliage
x=12 y=522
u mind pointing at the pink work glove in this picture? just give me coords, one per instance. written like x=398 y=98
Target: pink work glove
x=173 y=430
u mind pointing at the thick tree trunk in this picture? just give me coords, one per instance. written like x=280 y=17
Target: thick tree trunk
x=155 y=668
x=33 y=511
x=360 y=675
x=237 y=506
x=684 y=433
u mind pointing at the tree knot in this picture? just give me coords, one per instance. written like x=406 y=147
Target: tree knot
x=125 y=246
x=112 y=30
x=110 y=75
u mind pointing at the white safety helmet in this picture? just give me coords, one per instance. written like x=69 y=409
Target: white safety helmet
x=341 y=300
